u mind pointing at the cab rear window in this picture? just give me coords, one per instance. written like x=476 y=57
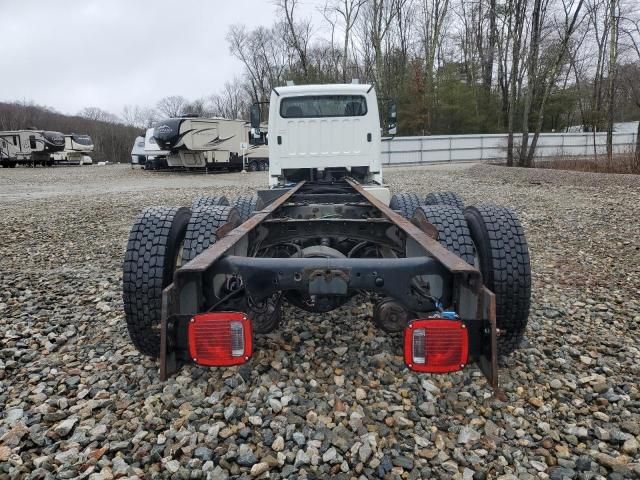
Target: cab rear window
x=318 y=106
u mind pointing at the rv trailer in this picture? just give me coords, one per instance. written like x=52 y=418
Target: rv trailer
x=138 y=156
x=76 y=150
x=29 y=147
x=211 y=144
x=156 y=158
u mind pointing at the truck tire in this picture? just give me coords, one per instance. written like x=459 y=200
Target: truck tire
x=503 y=257
x=153 y=250
x=264 y=165
x=206 y=201
x=453 y=231
x=202 y=229
x=405 y=203
x=444 y=198
x=253 y=166
x=247 y=204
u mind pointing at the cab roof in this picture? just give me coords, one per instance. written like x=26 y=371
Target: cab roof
x=347 y=88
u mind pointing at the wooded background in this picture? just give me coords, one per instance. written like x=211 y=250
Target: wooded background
x=453 y=66
x=112 y=138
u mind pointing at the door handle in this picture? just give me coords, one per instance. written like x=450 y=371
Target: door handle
x=279 y=140
x=368 y=137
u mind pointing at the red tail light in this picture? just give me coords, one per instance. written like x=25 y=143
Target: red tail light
x=436 y=345
x=220 y=339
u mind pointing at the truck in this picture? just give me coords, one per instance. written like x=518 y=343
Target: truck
x=76 y=150
x=211 y=144
x=29 y=147
x=453 y=281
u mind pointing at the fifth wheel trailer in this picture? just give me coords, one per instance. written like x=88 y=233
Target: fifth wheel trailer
x=199 y=282
x=77 y=149
x=29 y=147
x=210 y=143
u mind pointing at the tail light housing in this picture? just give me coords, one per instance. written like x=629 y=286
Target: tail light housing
x=436 y=345
x=220 y=339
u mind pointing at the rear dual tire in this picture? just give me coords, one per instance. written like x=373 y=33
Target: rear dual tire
x=503 y=257
x=247 y=204
x=153 y=252
x=209 y=201
x=444 y=198
x=491 y=238
x=202 y=231
x=406 y=203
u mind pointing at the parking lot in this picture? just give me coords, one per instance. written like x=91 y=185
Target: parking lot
x=326 y=394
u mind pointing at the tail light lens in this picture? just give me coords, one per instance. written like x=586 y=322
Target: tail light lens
x=436 y=345
x=220 y=339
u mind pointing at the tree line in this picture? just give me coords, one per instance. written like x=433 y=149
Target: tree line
x=111 y=137
x=459 y=66
x=453 y=66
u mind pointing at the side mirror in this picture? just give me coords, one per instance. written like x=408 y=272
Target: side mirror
x=255 y=116
x=392 y=118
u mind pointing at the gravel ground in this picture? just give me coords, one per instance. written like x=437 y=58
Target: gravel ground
x=326 y=395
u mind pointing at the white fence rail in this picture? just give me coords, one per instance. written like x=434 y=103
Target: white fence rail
x=465 y=148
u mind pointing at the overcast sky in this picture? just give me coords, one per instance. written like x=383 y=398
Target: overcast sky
x=71 y=54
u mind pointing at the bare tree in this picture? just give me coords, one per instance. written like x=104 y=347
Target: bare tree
x=573 y=15
x=231 y=102
x=377 y=18
x=631 y=73
x=614 y=21
x=264 y=56
x=139 y=117
x=297 y=33
x=95 y=113
x=171 y=106
x=348 y=11
x=196 y=107
x=432 y=19
x=516 y=20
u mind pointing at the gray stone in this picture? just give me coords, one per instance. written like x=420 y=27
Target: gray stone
x=468 y=434
x=330 y=455
x=403 y=462
x=246 y=457
x=301 y=459
x=562 y=473
x=63 y=428
x=13 y=415
x=203 y=453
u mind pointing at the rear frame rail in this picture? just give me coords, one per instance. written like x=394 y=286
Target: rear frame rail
x=424 y=256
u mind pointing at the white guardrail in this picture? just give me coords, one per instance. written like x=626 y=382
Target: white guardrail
x=469 y=148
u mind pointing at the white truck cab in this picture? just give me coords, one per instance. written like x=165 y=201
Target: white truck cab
x=321 y=132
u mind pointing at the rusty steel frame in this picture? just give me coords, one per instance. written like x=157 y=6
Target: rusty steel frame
x=461 y=272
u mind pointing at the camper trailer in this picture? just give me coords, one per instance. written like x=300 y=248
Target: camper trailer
x=30 y=147
x=156 y=158
x=76 y=150
x=211 y=144
x=138 y=155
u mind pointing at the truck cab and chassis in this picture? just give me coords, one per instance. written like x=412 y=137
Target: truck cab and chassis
x=199 y=282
